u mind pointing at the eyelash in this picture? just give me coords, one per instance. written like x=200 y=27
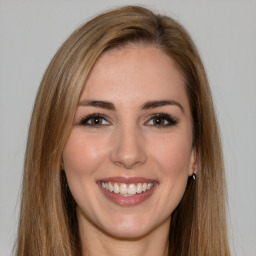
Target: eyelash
x=160 y=116
x=163 y=116
x=84 y=121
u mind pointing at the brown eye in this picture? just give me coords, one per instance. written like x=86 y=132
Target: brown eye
x=161 y=120
x=94 y=120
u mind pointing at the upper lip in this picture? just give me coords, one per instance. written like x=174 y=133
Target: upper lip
x=127 y=180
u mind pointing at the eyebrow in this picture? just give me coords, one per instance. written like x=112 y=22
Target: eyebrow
x=160 y=103
x=145 y=106
x=97 y=104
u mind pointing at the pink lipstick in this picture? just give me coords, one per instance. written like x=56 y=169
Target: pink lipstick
x=127 y=191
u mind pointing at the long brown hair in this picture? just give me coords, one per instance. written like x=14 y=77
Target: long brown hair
x=48 y=224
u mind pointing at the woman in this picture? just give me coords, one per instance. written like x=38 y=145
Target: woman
x=123 y=154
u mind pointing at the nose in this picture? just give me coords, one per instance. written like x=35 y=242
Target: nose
x=128 y=148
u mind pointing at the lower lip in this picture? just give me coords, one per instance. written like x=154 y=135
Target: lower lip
x=128 y=200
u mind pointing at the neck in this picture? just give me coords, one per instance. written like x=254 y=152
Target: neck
x=96 y=242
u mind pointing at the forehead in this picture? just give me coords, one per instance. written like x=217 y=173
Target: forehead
x=135 y=74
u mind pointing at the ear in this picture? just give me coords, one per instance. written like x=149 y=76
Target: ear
x=193 y=161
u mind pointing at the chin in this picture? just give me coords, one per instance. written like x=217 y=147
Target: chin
x=129 y=228
x=133 y=233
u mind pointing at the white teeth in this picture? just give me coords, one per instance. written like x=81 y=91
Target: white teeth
x=126 y=189
x=139 y=188
x=116 y=188
x=110 y=187
x=123 y=188
x=131 y=189
x=149 y=186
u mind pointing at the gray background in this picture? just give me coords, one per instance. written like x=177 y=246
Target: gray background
x=225 y=33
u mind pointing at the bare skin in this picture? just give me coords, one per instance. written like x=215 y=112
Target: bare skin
x=152 y=244
x=132 y=126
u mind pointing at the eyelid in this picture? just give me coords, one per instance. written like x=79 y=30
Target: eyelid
x=171 y=120
x=83 y=121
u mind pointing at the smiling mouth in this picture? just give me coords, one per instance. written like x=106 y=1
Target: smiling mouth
x=126 y=190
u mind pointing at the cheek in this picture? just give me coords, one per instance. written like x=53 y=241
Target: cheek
x=82 y=155
x=173 y=153
x=173 y=156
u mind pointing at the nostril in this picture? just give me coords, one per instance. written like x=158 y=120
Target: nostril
x=127 y=162
x=128 y=152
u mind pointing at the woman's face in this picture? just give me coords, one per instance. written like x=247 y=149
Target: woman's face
x=129 y=154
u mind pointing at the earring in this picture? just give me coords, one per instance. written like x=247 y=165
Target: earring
x=194 y=175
